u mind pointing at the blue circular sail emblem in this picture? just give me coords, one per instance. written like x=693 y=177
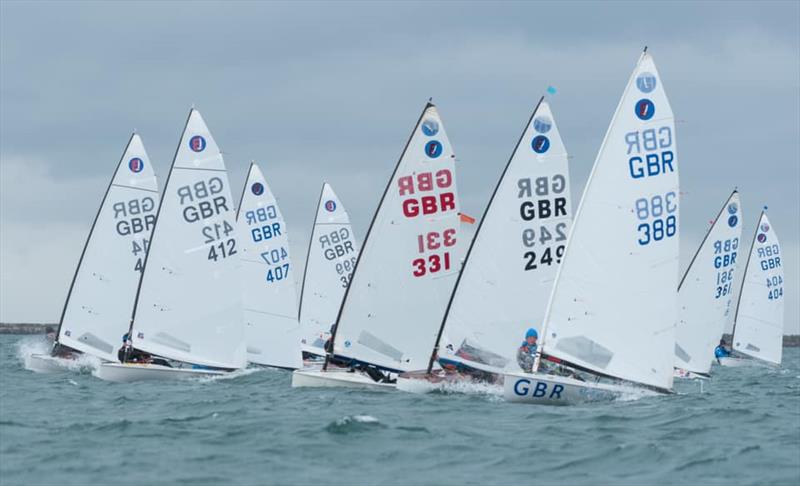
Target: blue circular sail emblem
x=542 y=124
x=646 y=82
x=732 y=208
x=257 y=188
x=430 y=127
x=347 y=344
x=330 y=206
x=136 y=165
x=645 y=109
x=764 y=227
x=197 y=143
x=732 y=221
x=433 y=149
x=540 y=144
x=762 y=238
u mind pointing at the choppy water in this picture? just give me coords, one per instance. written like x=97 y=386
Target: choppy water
x=71 y=428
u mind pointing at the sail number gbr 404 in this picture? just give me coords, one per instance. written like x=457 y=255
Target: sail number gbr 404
x=204 y=200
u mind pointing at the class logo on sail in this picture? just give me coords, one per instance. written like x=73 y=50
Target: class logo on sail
x=430 y=127
x=764 y=227
x=542 y=124
x=136 y=165
x=732 y=221
x=732 y=208
x=646 y=82
x=433 y=149
x=645 y=109
x=257 y=188
x=197 y=143
x=330 y=206
x=762 y=238
x=540 y=144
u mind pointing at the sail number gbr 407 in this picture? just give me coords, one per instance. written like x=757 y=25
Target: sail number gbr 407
x=204 y=200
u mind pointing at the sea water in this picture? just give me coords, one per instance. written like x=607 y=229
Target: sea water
x=253 y=428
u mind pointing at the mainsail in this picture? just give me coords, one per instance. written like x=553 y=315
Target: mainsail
x=706 y=290
x=270 y=298
x=189 y=303
x=98 y=308
x=614 y=306
x=332 y=255
x=758 y=327
x=405 y=272
x=511 y=264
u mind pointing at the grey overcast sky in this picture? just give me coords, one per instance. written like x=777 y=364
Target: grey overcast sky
x=319 y=91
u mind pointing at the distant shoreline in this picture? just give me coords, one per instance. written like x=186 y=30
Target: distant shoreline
x=789 y=340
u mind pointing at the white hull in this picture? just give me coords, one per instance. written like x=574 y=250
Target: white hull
x=560 y=390
x=688 y=375
x=44 y=363
x=337 y=379
x=130 y=372
x=731 y=362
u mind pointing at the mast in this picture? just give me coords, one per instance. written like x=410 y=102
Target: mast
x=308 y=253
x=435 y=350
x=744 y=274
x=244 y=188
x=705 y=238
x=329 y=355
x=88 y=238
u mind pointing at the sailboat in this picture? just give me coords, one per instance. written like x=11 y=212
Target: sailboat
x=187 y=316
x=270 y=299
x=758 y=324
x=612 y=312
x=332 y=255
x=405 y=272
x=98 y=306
x=705 y=294
x=503 y=287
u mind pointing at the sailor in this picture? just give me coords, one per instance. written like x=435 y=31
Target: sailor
x=50 y=333
x=125 y=351
x=721 y=351
x=527 y=351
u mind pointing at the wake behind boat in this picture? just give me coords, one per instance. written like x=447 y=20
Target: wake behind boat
x=405 y=271
x=612 y=311
x=188 y=306
x=100 y=299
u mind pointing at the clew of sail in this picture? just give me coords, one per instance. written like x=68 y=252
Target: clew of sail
x=332 y=255
x=758 y=327
x=613 y=308
x=511 y=265
x=270 y=299
x=98 y=308
x=405 y=273
x=706 y=290
x=189 y=304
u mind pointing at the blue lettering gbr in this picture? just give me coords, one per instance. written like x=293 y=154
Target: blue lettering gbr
x=523 y=388
x=651 y=156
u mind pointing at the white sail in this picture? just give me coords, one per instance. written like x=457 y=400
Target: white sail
x=758 y=328
x=270 y=299
x=511 y=265
x=394 y=305
x=332 y=255
x=705 y=294
x=189 y=306
x=98 y=308
x=614 y=304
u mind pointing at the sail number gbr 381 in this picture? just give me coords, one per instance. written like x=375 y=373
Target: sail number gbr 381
x=203 y=202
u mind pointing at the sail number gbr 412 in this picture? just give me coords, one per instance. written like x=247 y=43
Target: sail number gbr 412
x=202 y=201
